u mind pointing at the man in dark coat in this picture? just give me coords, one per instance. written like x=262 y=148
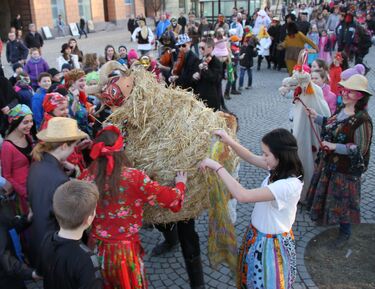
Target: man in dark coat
x=132 y=24
x=274 y=32
x=303 y=24
x=182 y=21
x=17 y=22
x=185 y=78
x=82 y=27
x=16 y=52
x=33 y=38
x=210 y=71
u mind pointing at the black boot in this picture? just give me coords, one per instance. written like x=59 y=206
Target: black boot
x=195 y=272
x=170 y=242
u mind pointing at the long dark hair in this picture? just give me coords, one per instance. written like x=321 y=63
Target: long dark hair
x=98 y=167
x=283 y=145
x=361 y=104
x=14 y=124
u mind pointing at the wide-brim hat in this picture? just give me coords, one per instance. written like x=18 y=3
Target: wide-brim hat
x=60 y=129
x=182 y=39
x=356 y=82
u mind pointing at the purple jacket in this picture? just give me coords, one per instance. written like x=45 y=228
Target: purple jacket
x=35 y=67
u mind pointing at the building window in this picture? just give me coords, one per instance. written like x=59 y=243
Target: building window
x=181 y=4
x=128 y=2
x=84 y=7
x=58 y=8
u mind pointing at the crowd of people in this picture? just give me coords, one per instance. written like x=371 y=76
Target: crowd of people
x=55 y=147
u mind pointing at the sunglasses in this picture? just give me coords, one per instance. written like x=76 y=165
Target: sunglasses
x=351 y=93
x=182 y=45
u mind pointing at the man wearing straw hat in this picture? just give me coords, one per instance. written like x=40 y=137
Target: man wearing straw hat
x=47 y=173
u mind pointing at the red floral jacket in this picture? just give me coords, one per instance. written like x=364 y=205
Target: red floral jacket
x=120 y=218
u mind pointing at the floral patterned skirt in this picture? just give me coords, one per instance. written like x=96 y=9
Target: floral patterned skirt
x=266 y=260
x=122 y=264
x=333 y=197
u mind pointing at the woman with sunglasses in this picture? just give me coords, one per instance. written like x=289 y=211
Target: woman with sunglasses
x=334 y=193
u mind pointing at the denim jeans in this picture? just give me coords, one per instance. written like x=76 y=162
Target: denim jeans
x=249 y=75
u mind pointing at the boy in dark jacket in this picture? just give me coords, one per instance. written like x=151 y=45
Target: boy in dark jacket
x=16 y=51
x=23 y=89
x=64 y=261
x=247 y=52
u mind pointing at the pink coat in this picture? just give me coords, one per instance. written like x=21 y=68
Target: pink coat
x=330 y=98
x=15 y=169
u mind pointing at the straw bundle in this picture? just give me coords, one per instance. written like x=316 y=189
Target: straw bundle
x=169 y=130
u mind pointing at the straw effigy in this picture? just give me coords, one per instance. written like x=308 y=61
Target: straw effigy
x=169 y=130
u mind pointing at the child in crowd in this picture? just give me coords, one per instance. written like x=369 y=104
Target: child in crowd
x=44 y=82
x=247 y=52
x=64 y=261
x=335 y=73
x=325 y=48
x=35 y=66
x=123 y=55
x=17 y=69
x=320 y=78
x=314 y=37
x=269 y=236
x=23 y=89
x=319 y=64
x=233 y=61
x=56 y=78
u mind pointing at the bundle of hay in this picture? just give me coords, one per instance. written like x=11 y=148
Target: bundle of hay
x=169 y=130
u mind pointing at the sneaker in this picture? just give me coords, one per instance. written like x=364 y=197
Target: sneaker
x=247 y=87
x=240 y=88
x=235 y=92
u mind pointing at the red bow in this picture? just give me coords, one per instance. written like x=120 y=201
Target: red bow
x=99 y=149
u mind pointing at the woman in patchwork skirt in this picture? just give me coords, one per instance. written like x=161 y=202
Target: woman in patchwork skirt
x=334 y=193
x=267 y=257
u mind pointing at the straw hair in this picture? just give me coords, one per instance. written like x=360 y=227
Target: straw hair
x=61 y=129
x=356 y=82
x=169 y=130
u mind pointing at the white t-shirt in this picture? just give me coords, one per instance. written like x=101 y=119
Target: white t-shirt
x=277 y=216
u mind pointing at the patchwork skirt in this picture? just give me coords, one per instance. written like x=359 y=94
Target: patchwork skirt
x=267 y=261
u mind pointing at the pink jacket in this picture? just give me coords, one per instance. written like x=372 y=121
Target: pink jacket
x=15 y=168
x=330 y=98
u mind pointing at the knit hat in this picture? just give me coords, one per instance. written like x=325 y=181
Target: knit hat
x=66 y=66
x=132 y=55
x=94 y=75
x=53 y=71
x=17 y=65
x=357 y=69
x=234 y=38
x=122 y=46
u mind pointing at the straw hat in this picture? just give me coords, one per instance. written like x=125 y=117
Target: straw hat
x=356 y=82
x=61 y=129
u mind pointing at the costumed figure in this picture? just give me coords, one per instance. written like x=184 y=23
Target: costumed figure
x=335 y=191
x=124 y=192
x=154 y=117
x=143 y=36
x=263 y=47
x=306 y=133
x=262 y=20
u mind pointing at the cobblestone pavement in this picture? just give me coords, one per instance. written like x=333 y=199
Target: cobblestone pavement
x=259 y=110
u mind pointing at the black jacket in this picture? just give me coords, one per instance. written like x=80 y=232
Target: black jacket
x=16 y=51
x=34 y=40
x=182 y=21
x=44 y=178
x=68 y=264
x=208 y=84
x=132 y=24
x=250 y=52
x=303 y=26
x=17 y=23
x=13 y=272
x=185 y=79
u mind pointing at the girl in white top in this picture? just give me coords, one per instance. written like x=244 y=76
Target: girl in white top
x=267 y=257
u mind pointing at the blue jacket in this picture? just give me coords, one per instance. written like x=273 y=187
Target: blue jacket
x=162 y=26
x=24 y=92
x=16 y=51
x=37 y=106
